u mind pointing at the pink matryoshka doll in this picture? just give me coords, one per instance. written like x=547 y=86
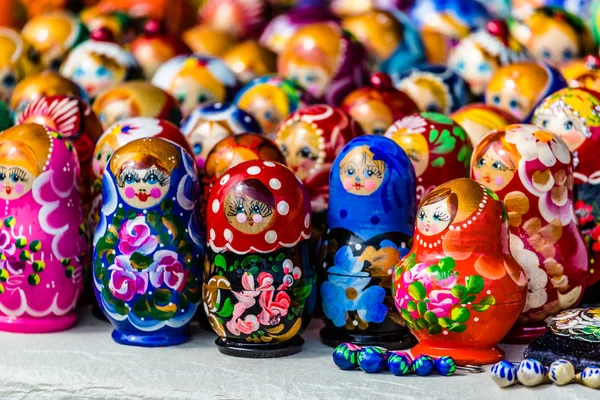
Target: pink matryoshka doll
x=479 y=119
x=574 y=116
x=259 y=286
x=310 y=139
x=376 y=106
x=44 y=242
x=438 y=148
x=459 y=289
x=327 y=61
x=520 y=87
x=531 y=170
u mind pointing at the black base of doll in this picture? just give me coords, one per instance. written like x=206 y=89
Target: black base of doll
x=259 y=350
x=549 y=348
x=396 y=341
x=591 y=296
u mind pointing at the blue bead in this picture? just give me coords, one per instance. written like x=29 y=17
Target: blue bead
x=445 y=366
x=423 y=365
x=345 y=356
x=372 y=359
x=399 y=363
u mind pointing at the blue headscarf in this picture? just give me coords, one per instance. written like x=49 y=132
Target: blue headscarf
x=391 y=208
x=409 y=52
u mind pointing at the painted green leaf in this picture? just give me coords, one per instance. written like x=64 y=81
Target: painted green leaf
x=459 y=132
x=445 y=143
x=484 y=304
x=227 y=309
x=437 y=117
x=417 y=291
x=280 y=257
x=132 y=214
x=474 y=283
x=492 y=194
x=460 y=314
x=459 y=291
x=458 y=328
x=140 y=261
x=412 y=306
x=434 y=330
x=409 y=262
x=421 y=324
x=220 y=262
x=464 y=155
x=438 y=162
x=302 y=292
x=468 y=299
x=251 y=261
x=153 y=219
x=406 y=315
x=161 y=296
x=433 y=135
x=445 y=322
x=431 y=318
x=421 y=308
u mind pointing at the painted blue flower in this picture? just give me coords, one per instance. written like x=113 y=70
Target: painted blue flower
x=345 y=291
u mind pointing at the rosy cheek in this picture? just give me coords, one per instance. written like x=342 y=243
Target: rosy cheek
x=347 y=183
x=155 y=193
x=434 y=228
x=499 y=180
x=19 y=188
x=241 y=218
x=257 y=218
x=477 y=175
x=421 y=226
x=129 y=192
x=369 y=185
x=306 y=163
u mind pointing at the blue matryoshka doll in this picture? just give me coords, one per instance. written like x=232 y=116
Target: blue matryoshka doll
x=148 y=249
x=371 y=220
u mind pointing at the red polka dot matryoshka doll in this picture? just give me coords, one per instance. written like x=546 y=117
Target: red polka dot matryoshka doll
x=459 y=289
x=310 y=139
x=259 y=286
x=438 y=148
x=531 y=170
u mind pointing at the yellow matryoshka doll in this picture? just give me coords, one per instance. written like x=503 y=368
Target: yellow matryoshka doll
x=18 y=60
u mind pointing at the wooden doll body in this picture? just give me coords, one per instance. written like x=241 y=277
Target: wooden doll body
x=259 y=286
x=148 y=248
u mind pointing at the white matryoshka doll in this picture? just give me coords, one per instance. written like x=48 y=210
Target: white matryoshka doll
x=147 y=247
x=42 y=237
x=259 y=285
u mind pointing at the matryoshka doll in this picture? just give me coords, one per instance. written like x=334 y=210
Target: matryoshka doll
x=270 y=99
x=53 y=35
x=476 y=57
x=325 y=60
x=531 y=171
x=210 y=123
x=574 y=116
x=583 y=73
x=438 y=148
x=206 y=40
x=392 y=43
x=376 y=106
x=479 y=119
x=520 y=87
x=352 y=7
x=44 y=244
x=148 y=247
x=135 y=99
x=459 y=289
x=239 y=18
x=259 y=286
x=434 y=88
x=554 y=35
x=250 y=60
x=310 y=139
x=195 y=80
x=154 y=47
x=371 y=221
x=99 y=64
x=18 y=59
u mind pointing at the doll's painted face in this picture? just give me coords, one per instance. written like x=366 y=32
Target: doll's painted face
x=190 y=94
x=495 y=168
x=428 y=95
x=204 y=136
x=115 y=111
x=249 y=207
x=509 y=99
x=311 y=77
x=373 y=116
x=143 y=188
x=471 y=64
x=15 y=181
x=100 y=160
x=95 y=76
x=299 y=143
x=8 y=81
x=266 y=113
x=564 y=124
x=434 y=218
x=554 y=46
x=360 y=173
x=416 y=148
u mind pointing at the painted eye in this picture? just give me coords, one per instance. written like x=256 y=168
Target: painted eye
x=568 y=125
x=368 y=173
x=546 y=54
x=54 y=65
x=9 y=81
x=378 y=131
x=108 y=156
x=545 y=123
x=311 y=78
x=513 y=104
x=422 y=215
x=180 y=99
x=202 y=98
x=268 y=115
x=2 y=176
x=284 y=150
x=197 y=148
x=484 y=67
x=496 y=99
x=460 y=65
x=98 y=156
x=497 y=165
x=129 y=178
x=567 y=54
x=305 y=153
x=436 y=216
x=350 y=172
x=15 y=178
x=239 y=208
x=102 y=71
x=78 y=73
x=480 y=163
x=152 y=179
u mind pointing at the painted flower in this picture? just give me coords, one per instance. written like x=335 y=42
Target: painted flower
x=291 y=274
x=596 y=238
x=274 y=306
x=422 y=273
x=135 y=236
x=211 y=293
x=583 y=212
x=441 y=302
x=238 y=325
x=168 y=270
x=125 y=281
x=534 y=143
x=7 y=247
x=411 y=123
x=554 y=203
x=247 y=296
x=537 y=278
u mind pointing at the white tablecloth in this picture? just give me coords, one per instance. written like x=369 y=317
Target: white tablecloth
x=84 y=363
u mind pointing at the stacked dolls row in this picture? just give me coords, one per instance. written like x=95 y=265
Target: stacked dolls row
x=416 y=172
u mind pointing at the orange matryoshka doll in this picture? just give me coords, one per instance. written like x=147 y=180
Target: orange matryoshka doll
x=480 y=119
x=18 y=60
x=583 y=73
x=520 y=87
x=250 y=60
x=438 y=148
x=459 y=289
x=531 y=170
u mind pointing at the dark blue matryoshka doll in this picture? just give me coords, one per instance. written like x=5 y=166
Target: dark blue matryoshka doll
x=371 y=220
x=148 y=249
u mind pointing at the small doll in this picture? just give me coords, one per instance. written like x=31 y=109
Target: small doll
x=99 y=64
x=478 y=119
x=583 y=72
x=210 y=123
x=148 y=247
x=438 y=148
x=459 y=289
x=195 y=81
x=239 y=18
x=434 y=88
x=270 y=99
x=531 y=171
x=18 y=60
x=205 y=40
x=53 y=35
x=44 y=244
x=135 y=99
x=325 y=60
x=259 y=285
x=520 y=87
x=351 y=7
x=250 y=60
x=376 y=106
x=371 y=220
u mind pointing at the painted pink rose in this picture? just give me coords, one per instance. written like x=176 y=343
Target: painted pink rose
x=168 y=270
x=7 y=248
x=273 y=308
x=417 y=273
x=238 y=325
x=125 y=281
x=135 y=236
x=441 y=302
x=402 y=298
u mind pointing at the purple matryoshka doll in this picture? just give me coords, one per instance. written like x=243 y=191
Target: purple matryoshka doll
x=42 y=236
x=371 y=219
x=147 y=247
x=324 y=59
